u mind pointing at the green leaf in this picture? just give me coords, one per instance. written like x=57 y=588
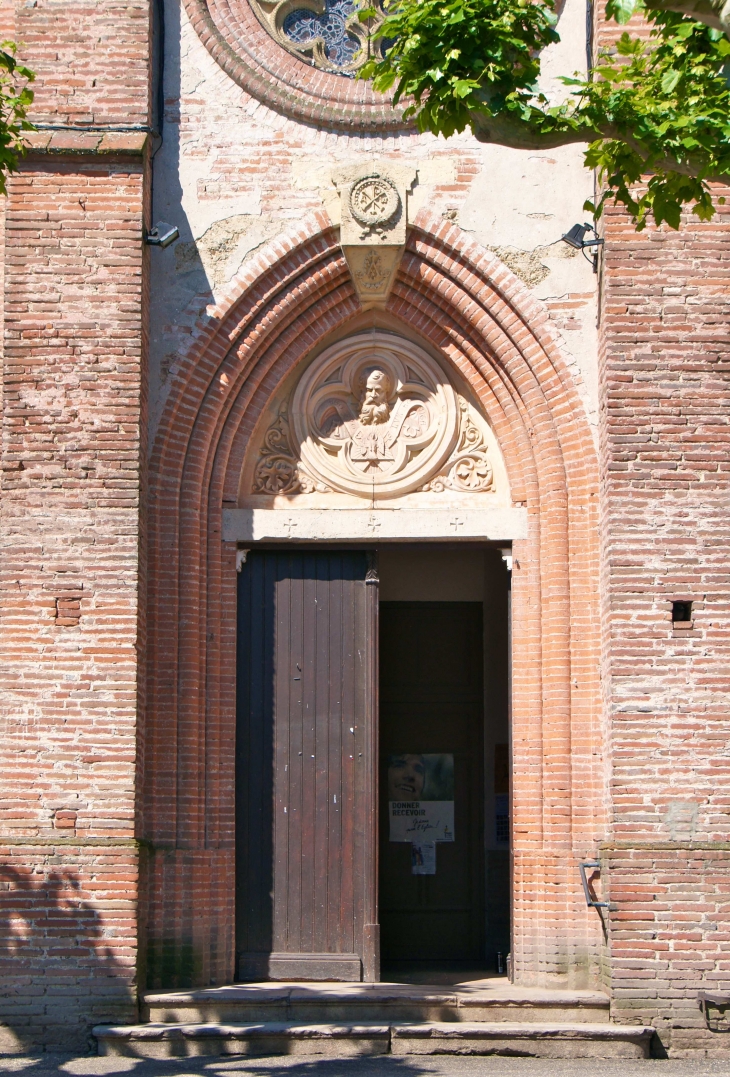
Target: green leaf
x=670 y=80
x=463 y=87
x=620 y=10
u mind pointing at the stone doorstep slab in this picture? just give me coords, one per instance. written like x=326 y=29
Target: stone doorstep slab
x=319 y=1002
x=381 y=992
x=395 y=1010
x=266 y=1038
x=527 y=1040
x=425 y=1038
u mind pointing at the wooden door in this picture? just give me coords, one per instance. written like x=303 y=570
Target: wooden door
x=306 y=759
x=431 y=703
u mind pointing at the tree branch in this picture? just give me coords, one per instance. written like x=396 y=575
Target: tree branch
x=509 y=130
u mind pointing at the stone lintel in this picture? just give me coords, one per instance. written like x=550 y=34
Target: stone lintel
x=83 y=141
x=380 y=525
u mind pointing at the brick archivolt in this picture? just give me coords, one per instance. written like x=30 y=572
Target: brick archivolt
x=250 y=56
x=293 y=297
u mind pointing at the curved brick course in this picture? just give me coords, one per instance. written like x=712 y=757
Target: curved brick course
x=251 y=57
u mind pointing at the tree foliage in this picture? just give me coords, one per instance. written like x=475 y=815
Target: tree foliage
x=15 y=100
x=655 y=106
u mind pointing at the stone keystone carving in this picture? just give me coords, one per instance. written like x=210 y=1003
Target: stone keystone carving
x=373 y=211
x=375 y=417
x=374 y=201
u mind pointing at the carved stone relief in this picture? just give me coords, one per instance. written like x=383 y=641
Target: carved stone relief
x=373 y=215
x=374 y=417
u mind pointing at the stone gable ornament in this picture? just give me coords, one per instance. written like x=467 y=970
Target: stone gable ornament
x=373 y=218
x=375 y=417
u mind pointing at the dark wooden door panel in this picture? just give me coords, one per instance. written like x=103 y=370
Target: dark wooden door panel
x=431 y=701
x=306 y=757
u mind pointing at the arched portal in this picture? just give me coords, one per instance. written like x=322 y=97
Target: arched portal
x=461 y=305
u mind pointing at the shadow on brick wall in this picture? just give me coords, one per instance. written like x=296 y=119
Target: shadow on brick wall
x=60 y=972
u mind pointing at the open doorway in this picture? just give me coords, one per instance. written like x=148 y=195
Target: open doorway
x=444 y=762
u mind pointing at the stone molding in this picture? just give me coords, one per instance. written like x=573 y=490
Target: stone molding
x=83 y=140
x=249 y=55
x=497 y=524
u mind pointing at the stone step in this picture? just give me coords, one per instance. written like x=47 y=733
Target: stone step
x=264 y=1038
x=530 y=1040
x=527 y=1039
x=327 y=1003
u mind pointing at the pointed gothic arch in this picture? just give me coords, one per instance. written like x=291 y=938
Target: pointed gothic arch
x=293 y=295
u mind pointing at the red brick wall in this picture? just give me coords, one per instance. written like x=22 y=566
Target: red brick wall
x=72 y=533
x=71 y=602
x=665 y=434
x=91 y=60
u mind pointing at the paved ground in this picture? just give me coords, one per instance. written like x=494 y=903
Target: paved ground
x=65 y=1066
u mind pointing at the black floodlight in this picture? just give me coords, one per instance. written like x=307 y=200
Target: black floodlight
x=576 y=238
x=162 y=235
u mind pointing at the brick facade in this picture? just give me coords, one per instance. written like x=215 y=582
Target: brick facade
x=72 y=571
x=118 y=595
x=665 y=372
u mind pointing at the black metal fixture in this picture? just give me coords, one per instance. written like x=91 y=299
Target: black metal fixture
x=162 y=235
x=590 y=899
x=576 y=238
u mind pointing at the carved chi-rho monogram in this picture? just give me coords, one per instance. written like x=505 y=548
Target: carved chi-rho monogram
x=374 y=203
x=377 y=417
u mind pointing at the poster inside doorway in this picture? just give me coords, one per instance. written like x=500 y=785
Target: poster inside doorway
x=421 y=797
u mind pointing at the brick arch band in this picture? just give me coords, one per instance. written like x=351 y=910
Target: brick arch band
x=241 y=46
x=483 y=321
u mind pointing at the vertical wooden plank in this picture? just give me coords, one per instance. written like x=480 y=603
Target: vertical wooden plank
x=371 y=929
x=319 y=653
x=306 y=612
x=321 y=883
x=347 y=656
x=254 y=762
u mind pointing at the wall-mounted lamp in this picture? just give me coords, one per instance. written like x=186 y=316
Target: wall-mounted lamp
x=162 y=235
x=576 y=238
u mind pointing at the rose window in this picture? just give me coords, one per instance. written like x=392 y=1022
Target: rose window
x=324 y=33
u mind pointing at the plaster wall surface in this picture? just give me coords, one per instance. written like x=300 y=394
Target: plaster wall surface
x=233 y=175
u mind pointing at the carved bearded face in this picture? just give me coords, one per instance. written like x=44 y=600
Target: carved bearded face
x=375 y=407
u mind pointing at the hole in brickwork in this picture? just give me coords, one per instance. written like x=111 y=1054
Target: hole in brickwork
x=68 y=610
x=681 y=612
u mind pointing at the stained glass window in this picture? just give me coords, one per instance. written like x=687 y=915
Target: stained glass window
x=302 y=26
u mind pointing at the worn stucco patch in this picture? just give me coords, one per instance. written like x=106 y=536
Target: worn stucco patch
x=529 y=265
x=224 y=247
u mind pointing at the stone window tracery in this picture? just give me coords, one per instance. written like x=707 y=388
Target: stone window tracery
x=324 y=33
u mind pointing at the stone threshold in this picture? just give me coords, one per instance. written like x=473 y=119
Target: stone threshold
x=543 y=1040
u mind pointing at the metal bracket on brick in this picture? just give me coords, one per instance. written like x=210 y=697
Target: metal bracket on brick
x=590 y=900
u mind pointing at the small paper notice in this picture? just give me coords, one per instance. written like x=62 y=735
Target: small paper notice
x=423 y=858
x=421 y=797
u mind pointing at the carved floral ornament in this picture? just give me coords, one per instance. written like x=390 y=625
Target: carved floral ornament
x=374 y=417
